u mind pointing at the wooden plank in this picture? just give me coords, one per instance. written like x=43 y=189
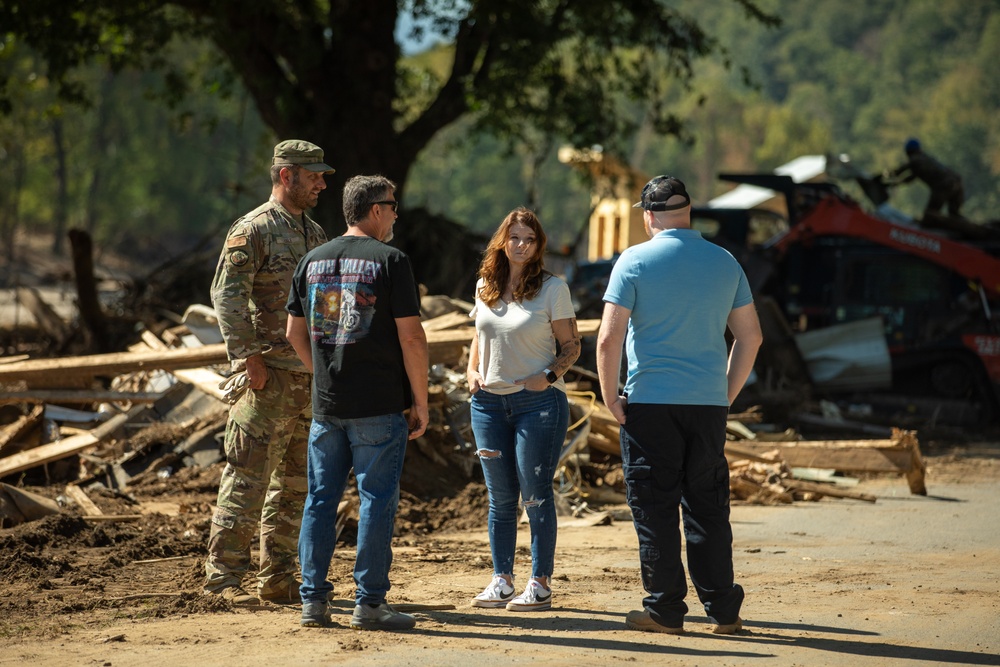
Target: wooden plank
x=24 y=423
x=604 y=444
x=78 y=396
x=846 y=456
x=81 y=498
x=856 y=459
x=736 y=451
x=588 y=521
x=826 y=490
x=899 y=454
x=13 y=358
x=737 y=428
x=46 y=453
x=916 y=475
x=202 y=378
x=69 y=369
x=742 y=488
x=117 y=363
x=205 y=380
x=68 y=447
x=448 y=321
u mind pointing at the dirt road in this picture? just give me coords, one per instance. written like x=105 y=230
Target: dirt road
x=908 y=580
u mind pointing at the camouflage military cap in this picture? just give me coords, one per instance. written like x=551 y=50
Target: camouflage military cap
x=301 y=153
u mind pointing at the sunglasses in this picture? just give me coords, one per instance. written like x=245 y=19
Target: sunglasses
x=393 y=204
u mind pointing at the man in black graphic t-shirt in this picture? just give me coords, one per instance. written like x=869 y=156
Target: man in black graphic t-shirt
x=354 y=319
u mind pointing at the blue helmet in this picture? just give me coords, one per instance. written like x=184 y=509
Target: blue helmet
x=911 y=145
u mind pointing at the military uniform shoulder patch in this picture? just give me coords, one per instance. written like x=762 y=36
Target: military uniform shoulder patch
x=238 y=258
x=236 y=241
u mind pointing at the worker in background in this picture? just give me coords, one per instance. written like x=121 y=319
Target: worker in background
x=944 y=183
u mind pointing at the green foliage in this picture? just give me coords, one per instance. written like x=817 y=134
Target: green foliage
x=142 y=177
x=174 y=141
x=475 y=179
x=835 y=77
x=530 y=71
x=839 y=77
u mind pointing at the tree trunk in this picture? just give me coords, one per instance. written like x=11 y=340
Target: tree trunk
x=86 y=290
x=10 y=199
x=102 y=118
x=62 y=187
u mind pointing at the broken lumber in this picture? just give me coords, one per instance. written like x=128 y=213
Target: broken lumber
x=899 y=454
x=448 y=321
x=603 y=444
x=80 y=497
x=826 y=490
x=13 y=358
x=742 y=487
x=59 y=450
x=13 y=432
x=60 y=372
x=78 y=396
x=735 y=451
x=55 y=372
x=207 y=381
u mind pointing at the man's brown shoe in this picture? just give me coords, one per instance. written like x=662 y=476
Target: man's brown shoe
x=236 y=595
x=728 y=628
x=641 y=620
x=287 y=593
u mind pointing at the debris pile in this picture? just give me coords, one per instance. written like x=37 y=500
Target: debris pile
x=142 y=415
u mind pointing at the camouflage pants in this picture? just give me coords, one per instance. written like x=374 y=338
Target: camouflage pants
x=264 y=481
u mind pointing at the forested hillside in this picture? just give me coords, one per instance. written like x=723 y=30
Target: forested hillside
x=836 y=77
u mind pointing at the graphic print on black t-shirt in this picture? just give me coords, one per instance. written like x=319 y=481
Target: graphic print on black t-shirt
x=342 y=299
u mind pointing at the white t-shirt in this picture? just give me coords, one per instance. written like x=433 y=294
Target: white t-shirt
x=516 y=339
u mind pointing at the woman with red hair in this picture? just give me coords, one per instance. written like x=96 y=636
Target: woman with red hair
x=526 y=338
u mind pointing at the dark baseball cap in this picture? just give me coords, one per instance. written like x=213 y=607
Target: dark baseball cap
x=301 y=153
x=658 y=192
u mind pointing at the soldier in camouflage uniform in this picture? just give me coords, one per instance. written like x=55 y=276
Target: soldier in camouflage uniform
x=268 y=429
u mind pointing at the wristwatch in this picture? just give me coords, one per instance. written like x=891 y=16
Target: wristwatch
x=550 y=376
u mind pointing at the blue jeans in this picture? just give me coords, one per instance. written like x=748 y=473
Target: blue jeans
x=525 y=431
x=374 y=447
x=674 y=455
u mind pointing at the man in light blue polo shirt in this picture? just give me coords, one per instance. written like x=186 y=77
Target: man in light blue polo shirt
x=670 y=301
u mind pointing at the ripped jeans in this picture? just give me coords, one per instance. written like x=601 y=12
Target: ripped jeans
x=519 y=437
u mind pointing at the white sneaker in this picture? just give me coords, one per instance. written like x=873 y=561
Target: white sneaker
x=534 y=598
x=497 y=594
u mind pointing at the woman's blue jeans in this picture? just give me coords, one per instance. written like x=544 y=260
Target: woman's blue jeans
x=374 y=447
x=519 y=437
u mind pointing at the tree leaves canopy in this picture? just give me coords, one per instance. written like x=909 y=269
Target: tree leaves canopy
x=329 y=70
